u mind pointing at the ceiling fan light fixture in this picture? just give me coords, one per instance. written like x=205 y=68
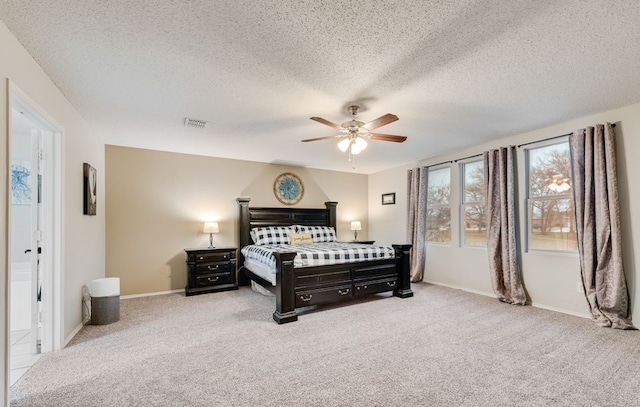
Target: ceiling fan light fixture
x=360 y=143
x=343 y=145
x=353 y=134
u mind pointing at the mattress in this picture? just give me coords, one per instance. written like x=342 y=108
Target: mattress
x=261 y=260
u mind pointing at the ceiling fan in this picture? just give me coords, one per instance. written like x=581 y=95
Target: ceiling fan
x=354 y=133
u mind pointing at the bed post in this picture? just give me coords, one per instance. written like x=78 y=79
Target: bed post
x=331 y=209
x=243 y=237
x=285 y=296
x=403 y=265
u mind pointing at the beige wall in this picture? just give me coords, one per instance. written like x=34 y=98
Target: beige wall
x=83 y=236
x=550 y=279
x=387 y=223
x=157 y=203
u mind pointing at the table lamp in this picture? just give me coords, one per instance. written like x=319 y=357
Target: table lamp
x=211 y=228
x=355 y=226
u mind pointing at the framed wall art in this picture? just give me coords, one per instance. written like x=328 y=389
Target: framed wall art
x=21 y=183
x=90 y=194
x=389 y=199
x=288 y=188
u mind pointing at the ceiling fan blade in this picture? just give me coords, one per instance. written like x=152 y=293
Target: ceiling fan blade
x=318 y=138
x=388 y=137
x=380 y=121
x=326 y=122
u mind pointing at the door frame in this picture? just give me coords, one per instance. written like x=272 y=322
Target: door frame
x=53 y=244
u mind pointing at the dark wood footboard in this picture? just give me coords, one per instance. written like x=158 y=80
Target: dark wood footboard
x=300 y=287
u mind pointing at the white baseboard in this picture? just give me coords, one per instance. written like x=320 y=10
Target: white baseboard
x=562 y=310
x=533 y=304
x=124 y=297
x=457 y=287
x=71 y=335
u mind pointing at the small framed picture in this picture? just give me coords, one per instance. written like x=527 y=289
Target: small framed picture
x=389 y=199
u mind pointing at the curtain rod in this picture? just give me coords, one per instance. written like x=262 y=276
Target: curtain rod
x=519 y=145
x=454 y=161
x=466 y=158
x=435 y=165
x=551 y=138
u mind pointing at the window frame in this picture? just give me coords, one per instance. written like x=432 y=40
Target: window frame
x=529 y=199
x=440 y=206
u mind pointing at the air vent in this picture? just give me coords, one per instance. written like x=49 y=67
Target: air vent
x=197 y=123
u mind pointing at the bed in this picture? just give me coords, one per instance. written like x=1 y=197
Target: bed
x=297 y=285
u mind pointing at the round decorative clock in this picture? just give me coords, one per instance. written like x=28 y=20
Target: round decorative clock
x=288 y=188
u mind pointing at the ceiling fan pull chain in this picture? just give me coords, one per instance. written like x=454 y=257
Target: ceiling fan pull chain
x=352 y=156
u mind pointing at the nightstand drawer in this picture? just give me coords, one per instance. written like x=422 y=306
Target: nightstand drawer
x=209 y=268
x=206 y=280
x=214 y=257
x=375 y=286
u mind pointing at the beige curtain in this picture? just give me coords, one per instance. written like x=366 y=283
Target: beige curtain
x=417 y=219
x=595 y=193
x=501 y=226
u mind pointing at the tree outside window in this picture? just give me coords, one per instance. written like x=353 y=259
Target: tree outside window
x=474 y=223
x=439 y=206
x=551 y=223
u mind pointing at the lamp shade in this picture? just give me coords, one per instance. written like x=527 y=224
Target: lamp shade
x=355 y=225
x=344 y=144
x=210 y=227
x=359 y=144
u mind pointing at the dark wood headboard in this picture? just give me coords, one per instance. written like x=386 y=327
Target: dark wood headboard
x=257 y=217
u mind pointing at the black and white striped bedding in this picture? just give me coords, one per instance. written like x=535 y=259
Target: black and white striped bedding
x=318 y=254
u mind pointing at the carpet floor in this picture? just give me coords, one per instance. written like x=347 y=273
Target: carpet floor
x=443 y=347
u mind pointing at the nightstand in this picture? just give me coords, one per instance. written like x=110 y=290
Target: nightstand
x=211 y=270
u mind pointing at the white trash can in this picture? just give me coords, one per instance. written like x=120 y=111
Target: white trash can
x=105 y=300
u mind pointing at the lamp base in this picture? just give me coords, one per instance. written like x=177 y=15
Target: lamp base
x=211 y=241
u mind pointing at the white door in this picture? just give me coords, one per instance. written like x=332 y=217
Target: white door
x=35 y=229
x=35 y=247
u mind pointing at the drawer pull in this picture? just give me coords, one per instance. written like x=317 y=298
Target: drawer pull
x=391 y=283
x=307 y=298
x=212 y=268
x=343 y=292
x=216 y=278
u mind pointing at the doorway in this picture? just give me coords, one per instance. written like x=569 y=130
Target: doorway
x=34 y=234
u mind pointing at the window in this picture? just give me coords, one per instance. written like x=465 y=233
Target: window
x=551 y=222
x=474 y=224
x=438 y=205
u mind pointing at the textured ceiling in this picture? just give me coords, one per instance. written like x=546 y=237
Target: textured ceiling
x=457 y=73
